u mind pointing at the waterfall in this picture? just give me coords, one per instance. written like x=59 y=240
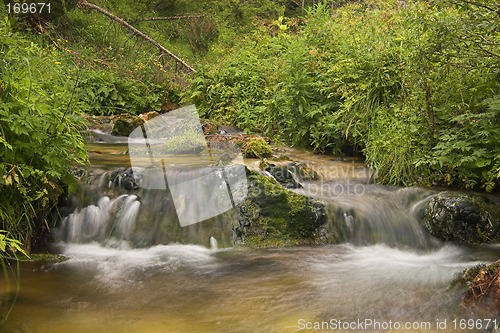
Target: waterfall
x=373 y=214
x=109 y=218
x=127 y=217
x=213 y=244
x=102 y=212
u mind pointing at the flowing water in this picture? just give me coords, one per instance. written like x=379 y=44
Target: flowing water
x=189 y=288
x=120 y=276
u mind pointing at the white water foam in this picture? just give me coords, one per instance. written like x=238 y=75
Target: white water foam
x=117 y=264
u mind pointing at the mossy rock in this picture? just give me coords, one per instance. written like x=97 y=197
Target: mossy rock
x=274 y=216
x=462 y=218
x=123 y=125
x=189 y=142
x=257 y=148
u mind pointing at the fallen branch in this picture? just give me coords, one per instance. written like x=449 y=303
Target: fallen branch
x=137 y=33
x=170 y=18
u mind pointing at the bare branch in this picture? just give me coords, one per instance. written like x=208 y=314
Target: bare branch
x=170 y=18
x=137 y=32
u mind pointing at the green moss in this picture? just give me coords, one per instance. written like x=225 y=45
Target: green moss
x=44 y=257
x=277 y=216
x=258 y=148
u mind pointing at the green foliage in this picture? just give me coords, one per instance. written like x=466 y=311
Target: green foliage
x=9 y=245
x=40 y=136
x=257 y=148
x=415 y=89
x=105 y=93
x=468 y=152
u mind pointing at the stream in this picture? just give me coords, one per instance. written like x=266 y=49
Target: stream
x=387 y=275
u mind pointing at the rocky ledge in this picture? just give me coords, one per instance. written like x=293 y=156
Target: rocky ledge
x=270 y=215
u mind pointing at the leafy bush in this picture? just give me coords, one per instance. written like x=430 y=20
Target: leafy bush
x=40 y=134
x=415 y=89
x=104 y=92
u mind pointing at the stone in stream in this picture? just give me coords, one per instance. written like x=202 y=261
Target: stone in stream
x=271 y=215
x=284 y=174
x=125 y=178
x=291 y=174
x=462 y=218
x=124 y=124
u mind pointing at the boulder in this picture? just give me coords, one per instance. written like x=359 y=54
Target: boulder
x=283 y=174
x=291 y=174
x=462 y=218
x=124 y=124
x=271 y=215
x=125 y=178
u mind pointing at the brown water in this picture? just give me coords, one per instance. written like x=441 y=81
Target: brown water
x=188 y=288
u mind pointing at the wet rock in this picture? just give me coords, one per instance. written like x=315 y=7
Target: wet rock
x=280 y=173
x=125 y=178
x=274 y=216
x=231 y=130
x=483 y=293
x=462 y=218
x=99 y=123
x=302 y=172
x=290 y=175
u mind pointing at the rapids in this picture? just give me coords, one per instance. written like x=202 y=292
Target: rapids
x=387 y=269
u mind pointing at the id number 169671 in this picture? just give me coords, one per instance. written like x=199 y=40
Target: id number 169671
x=28 y=8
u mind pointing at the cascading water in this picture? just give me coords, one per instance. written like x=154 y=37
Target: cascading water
x=109 y=218
x=148 y=217
x=360 y=214
x=118 y=277
x=365 y=214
